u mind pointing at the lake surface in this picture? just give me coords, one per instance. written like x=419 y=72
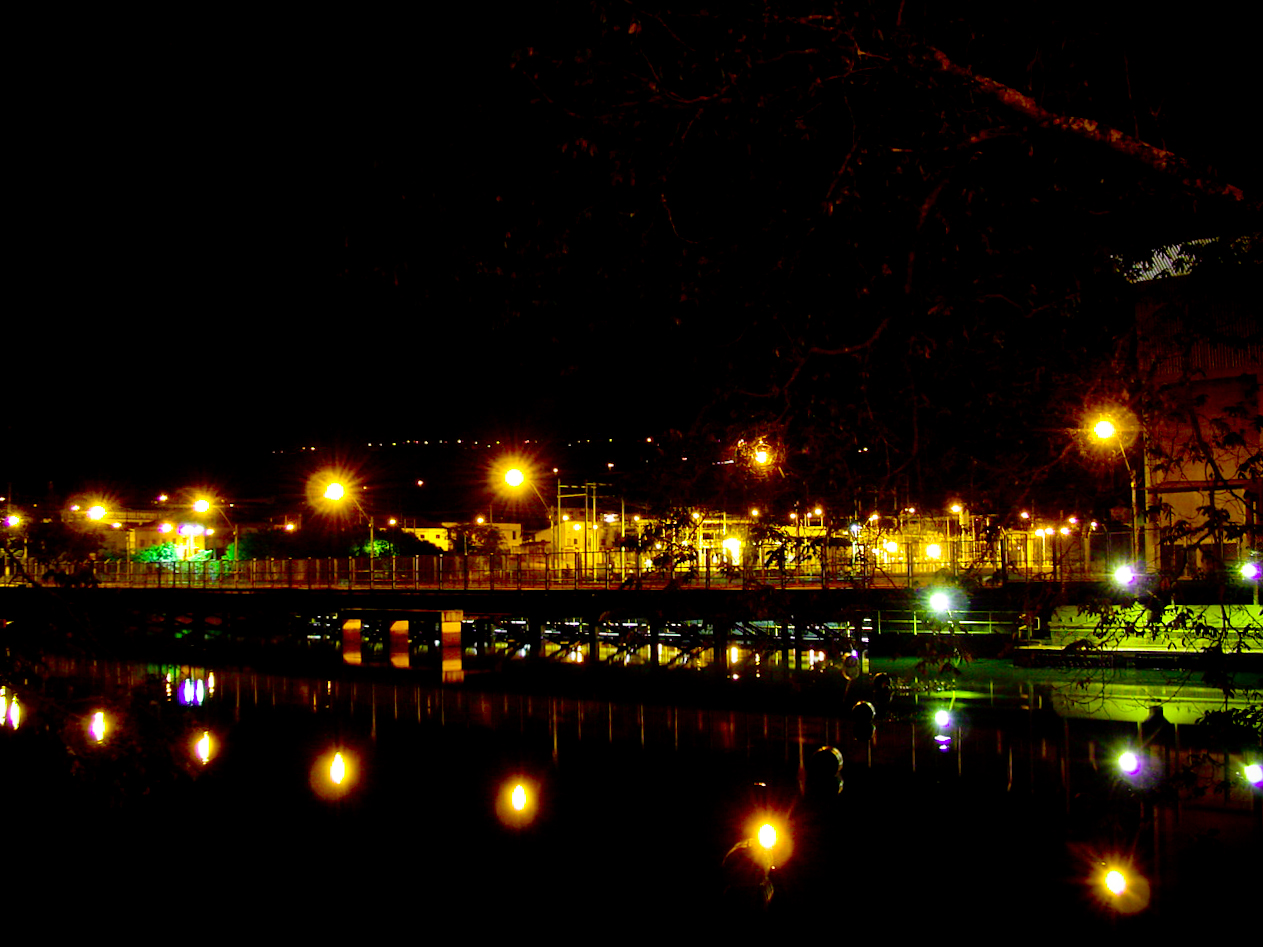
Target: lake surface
x=1007 y=813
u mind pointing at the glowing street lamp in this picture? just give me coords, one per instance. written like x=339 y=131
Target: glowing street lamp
x=1251 y=571
x=1105 y=430
x=336 y=492
x=515 y=477
x=202 y=505
x=1129 y=763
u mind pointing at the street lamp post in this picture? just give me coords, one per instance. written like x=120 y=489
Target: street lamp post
x=335 y=491
x=203 y=506
x=1105 y=430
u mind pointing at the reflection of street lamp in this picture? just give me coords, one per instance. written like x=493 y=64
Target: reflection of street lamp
x=1104 y=430
x=336 y=492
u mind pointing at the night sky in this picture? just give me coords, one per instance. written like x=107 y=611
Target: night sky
x=254 y=237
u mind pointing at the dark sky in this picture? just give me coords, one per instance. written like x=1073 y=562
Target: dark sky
x=282 y=233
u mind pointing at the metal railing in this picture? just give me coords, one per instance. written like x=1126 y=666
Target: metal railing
x=604 y=569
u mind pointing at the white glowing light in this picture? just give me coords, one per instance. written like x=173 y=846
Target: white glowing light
x=767 y=835
x=337 y=769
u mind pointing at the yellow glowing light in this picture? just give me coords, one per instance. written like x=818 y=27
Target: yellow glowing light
x=96 y=512
x=933 y=551
x=337 y=769
x=204 y=747
x=1115 y=881
x=98 y=726
x=515 y=478
x=518 y=799
x=1253 y=772
x=335 y=491
x=956 y=508
x=891 y=546
x=15 y=712
x=165 y=528
x=578 y=527
x=767 y=835
x=733 y=656
x=1104 y=430
x=201 y=506
x=761 y=457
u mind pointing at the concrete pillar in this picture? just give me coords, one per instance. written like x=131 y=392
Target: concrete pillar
x=351 y=636
x=719 y=657
x=535 y=636
x=398 y=644
x=591 y=634
x=453 y=672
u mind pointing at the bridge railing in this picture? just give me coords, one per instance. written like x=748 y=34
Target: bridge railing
x=604 y=569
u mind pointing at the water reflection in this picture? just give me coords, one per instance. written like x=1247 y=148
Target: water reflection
x=1011 y=769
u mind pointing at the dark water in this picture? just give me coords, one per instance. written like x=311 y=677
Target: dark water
x=1002 y=820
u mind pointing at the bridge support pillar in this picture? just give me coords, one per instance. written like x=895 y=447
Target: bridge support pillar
x=352 y=630
x=449 y=634
x=535 y=636
x=592 y=637
x=398 y=646
x=719 y=634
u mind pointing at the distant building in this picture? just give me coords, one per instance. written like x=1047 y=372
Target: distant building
x=1200 y=350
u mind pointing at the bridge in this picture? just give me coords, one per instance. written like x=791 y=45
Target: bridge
x=458 y=612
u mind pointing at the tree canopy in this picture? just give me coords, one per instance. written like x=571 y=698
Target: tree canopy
x=882 y=237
